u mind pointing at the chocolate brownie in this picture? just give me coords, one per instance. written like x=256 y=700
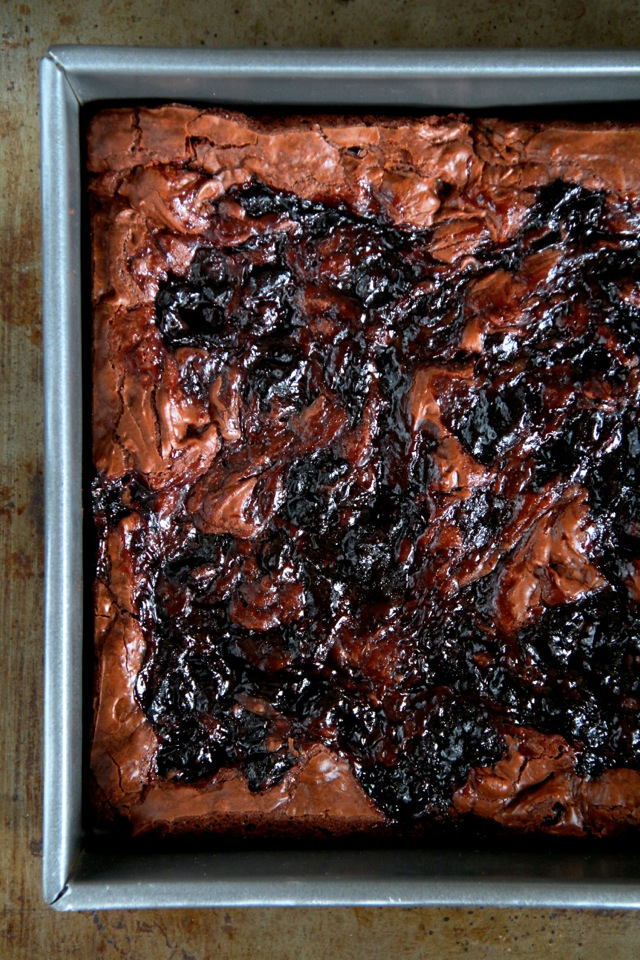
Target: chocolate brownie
x=366 y=461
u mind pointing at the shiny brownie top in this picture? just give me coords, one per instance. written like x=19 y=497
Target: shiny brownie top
x=416 y=525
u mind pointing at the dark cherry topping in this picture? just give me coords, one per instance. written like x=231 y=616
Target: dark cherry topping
x=443 y=533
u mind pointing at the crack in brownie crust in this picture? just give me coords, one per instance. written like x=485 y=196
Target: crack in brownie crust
x=366 y=442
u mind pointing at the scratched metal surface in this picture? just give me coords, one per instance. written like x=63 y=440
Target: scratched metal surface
x=27 y=927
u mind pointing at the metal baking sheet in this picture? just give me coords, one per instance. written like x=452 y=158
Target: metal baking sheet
x=74 y=876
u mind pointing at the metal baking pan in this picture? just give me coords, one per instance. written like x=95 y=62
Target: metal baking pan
x=75 y=875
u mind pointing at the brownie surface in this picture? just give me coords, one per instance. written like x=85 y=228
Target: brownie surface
x=366 y=450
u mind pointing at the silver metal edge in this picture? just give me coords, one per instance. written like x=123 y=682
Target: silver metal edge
x=75 y=75
x=371 y=878
x=90 y=60
x=63 y=458
x=428 y=78
x=310 y=893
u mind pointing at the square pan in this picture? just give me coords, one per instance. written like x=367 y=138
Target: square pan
x=74 y=877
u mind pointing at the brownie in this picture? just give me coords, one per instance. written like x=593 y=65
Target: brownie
x=366 y=461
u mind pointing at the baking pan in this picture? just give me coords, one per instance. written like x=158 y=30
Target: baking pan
x=76 y=875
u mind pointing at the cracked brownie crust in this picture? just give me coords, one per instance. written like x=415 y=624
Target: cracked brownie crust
x=365 y=436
